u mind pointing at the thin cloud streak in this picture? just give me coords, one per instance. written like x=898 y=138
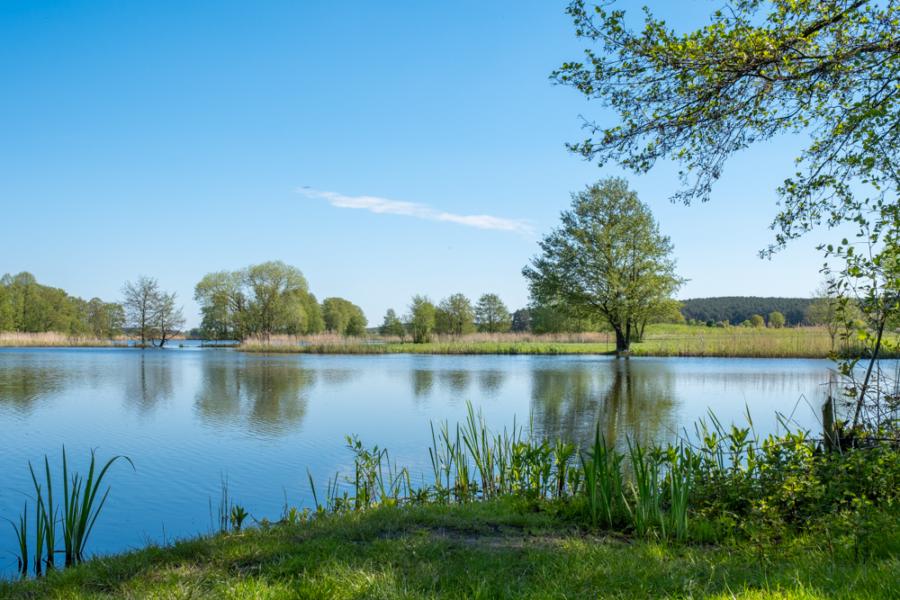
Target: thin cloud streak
x=385 y=206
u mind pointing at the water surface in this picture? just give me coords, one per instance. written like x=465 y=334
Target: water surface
x=191 y=417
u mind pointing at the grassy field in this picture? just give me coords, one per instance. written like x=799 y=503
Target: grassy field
x=502 y=549
x=660 y=340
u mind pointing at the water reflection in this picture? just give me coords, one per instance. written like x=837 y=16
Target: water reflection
x=148 y=381
x=456 y=381
x=490 y=382
x=23 y=384
x=422 y=381
x=265 y=396
x=626 y=398
x=281 y=414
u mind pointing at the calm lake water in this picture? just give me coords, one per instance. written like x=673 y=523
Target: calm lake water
x=190 y=417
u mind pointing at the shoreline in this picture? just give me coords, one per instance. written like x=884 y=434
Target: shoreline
x=566 y=349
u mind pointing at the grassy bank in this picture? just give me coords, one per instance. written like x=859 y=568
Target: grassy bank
x=50 y=339
x=508 y=548
x=724 y=514
x=659 y=340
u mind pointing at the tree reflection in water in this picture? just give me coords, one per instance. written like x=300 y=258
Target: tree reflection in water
x=148 y=381
x=22 y=385
x=626 y=398
x=264 y=395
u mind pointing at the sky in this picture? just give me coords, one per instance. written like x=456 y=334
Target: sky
x=384 y=148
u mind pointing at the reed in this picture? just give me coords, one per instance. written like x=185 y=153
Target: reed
x=51 y=339
x=82 y=505
x=21 y=530
x=645 y=507
x=603 y=482
x=47 y=514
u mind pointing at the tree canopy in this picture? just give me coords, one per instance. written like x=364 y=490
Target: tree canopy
x=343 y=317
x=150 y=311
x=262 y=300
x=757 y=70
x=454 y=315
x=607 y=259
x=491 y=314
x=27 y=306
x=421 y=319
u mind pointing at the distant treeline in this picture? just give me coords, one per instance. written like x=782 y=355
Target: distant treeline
x=27 y=306
x=737 y=309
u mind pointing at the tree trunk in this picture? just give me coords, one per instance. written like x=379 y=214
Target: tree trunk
x=622 y=341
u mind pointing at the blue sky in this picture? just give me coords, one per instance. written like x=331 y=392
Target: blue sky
x=385 y=149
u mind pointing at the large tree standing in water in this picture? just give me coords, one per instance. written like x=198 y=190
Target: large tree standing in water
x=608 y=258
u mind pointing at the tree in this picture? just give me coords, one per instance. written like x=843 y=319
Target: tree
x=454 y=315
x=315 y=321
x=824 y=310
x=167 y=318
x=776 y=319
x=271 y=285
x=421 y=319
x=262 y=299
x=607 y=259
x=757 y=70
x=7 y=322
x=104 y=319
x=491 y=315
x=757 y=321
x=343 y=317
x=521 y=320
x=223 y=305
x=139 y=301
x=392 y=325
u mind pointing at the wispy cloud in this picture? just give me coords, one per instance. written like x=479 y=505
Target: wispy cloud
x=385 y=206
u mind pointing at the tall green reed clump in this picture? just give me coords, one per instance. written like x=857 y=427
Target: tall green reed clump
x=82 y=503
x=722 y=478
x=647 y=489
x=603 y=482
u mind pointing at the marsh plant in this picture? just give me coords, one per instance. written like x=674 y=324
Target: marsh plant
x=717 y=482
x=74 y=518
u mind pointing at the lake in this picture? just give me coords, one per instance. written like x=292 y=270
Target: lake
x=190 y=418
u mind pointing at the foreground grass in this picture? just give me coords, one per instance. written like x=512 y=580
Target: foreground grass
x=660 y=340
x=501 y=549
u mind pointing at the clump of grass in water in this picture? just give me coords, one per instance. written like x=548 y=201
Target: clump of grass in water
x=81 y=506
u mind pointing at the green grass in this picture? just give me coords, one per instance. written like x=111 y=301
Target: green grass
x=659 y=340
x=499 y=549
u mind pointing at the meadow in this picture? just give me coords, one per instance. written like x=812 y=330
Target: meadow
x=659 y=340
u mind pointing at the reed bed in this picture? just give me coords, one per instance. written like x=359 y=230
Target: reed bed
x=716 y=474
x=51 y=339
